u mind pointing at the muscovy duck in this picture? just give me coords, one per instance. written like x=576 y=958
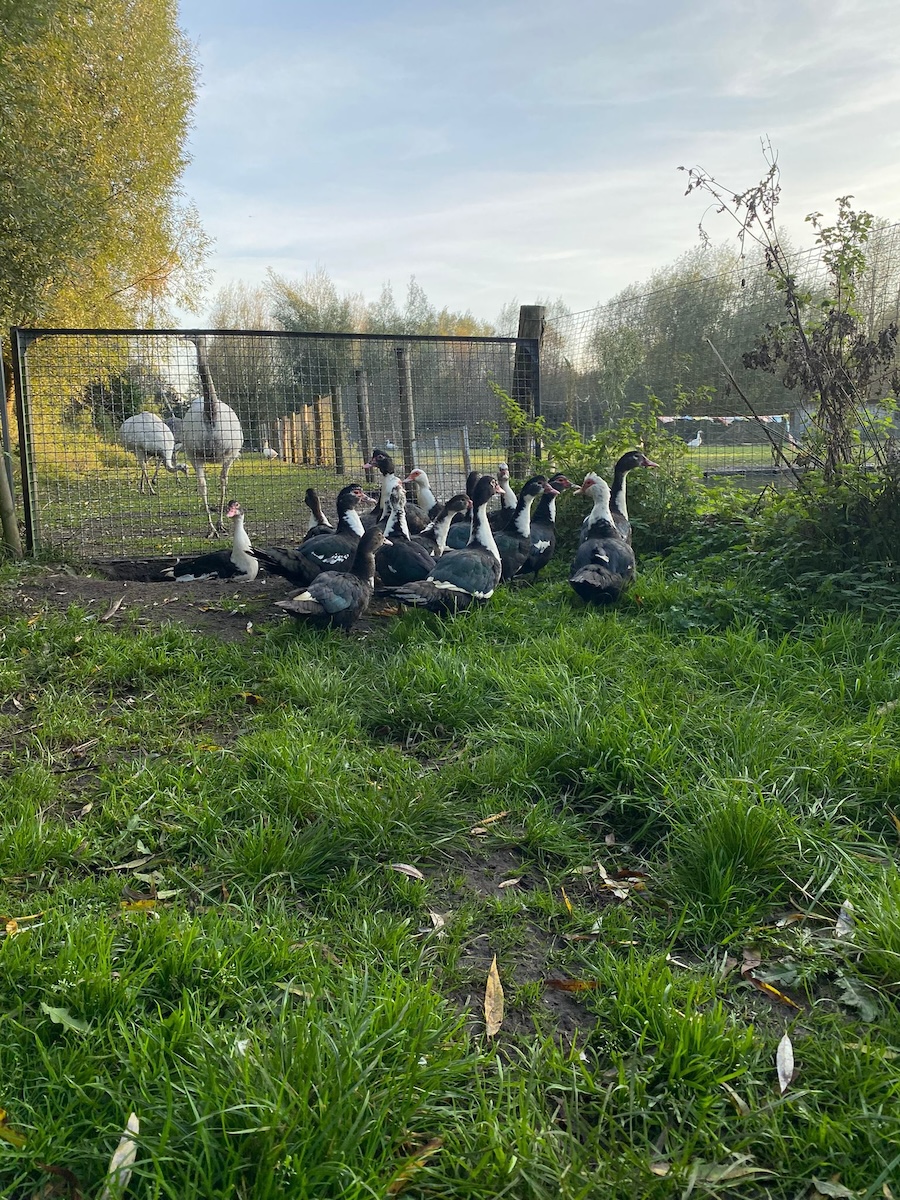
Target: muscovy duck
x=400 y=560
x=434 y=536
x=427 y=501
x=318 y=522
x=237 y=564
x=604 y=564
x=543 y=529
x=415 y=517
x=617 y=505
x=461 y=525
x=514 y=542
x=461 y=578
x=509 y=499
x=338 y=598
x=327 y=552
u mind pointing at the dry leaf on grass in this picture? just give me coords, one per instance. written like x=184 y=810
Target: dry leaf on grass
x=774 y=993
x=567 y=902
x=784 y=1062
x=10 y=1135
x=122 y=1161
x=571 y=985
x=739 y=1103
x=404 y=1176
x=510 y=882
x=751 y=961
x=114 y=607
x=406 y=869
x=827 y=1187
x=844 y=925
x=481 y=827
x=493 y=1000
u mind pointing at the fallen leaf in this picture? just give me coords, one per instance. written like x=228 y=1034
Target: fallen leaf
x=251 y=697
x=740 y=1104
x=896 y=821
x=293 y=990
x=119 y=1172
x=493 y=1000
x=509 y=882
x=12 y=928
x=886 y=1192
x=844 y=925
x=10 y=1135
x=722 y=1173
x=114 y=607
x=65 y=1184
x=661 y=1168
x=406 y=869
x=784 y=1062
x=837 y=1190
x=249 y=626
x=610 y=839
x=438 y=920
x=480 y=827
x=63 y=1017
x=571 y=985
x=138 y=905
x=751 y=961
x=419 y=1160
x=130 y=866
x=568 y=903
x=774 y=993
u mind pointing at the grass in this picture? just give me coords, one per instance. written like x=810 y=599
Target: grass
x=202 y=925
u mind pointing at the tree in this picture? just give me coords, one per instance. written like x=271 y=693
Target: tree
x=96 y=102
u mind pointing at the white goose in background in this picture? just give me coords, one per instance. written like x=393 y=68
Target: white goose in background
x=696 y=441
x=267 y=451
x=148 y=436
x=210 y=433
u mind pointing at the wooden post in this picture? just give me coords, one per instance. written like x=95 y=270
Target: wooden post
x=337 y=421
x=439 y=468
x=362 y=412
x=319 y=431
x=526 y=384
x=407 y=415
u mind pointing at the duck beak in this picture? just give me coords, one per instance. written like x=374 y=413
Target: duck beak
x=648 y=462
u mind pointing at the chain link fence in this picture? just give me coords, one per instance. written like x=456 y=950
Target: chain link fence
x=311 y=409
x=595 y=365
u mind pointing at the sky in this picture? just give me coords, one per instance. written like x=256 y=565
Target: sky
x=526 y=151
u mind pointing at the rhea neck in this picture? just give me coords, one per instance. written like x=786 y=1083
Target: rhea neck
x=210 y=398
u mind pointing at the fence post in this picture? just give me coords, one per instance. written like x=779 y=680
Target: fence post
x=337 y=420
x=407 y=415
x=20 y=340
x=526 y=387
x=362 y=412
x=7 y=503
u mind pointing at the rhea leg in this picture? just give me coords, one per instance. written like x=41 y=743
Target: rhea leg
x=200 y=471
x=227 y=464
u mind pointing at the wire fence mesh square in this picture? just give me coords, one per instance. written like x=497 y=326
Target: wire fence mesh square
x=105 y=416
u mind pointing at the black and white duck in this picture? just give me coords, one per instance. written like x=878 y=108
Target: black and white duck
x=514 y=542
x=461 y=578
x=425 y=497
x=415 y=517
x=543 y=528
x=604 y=564
x=401 y=560
x=327 y=552
x=236 y=564
x=318 y=522
x=617 y=505
x=434 y=536
x=337 y=599
x=461 y=525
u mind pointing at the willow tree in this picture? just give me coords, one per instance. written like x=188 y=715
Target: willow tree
x=95 y=103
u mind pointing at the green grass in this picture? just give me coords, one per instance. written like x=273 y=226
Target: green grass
x=203 y=883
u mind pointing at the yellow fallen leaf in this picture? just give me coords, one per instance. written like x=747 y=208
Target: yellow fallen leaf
x=138 y=905
x=480 y=827
x=10 y=1135
x=774 y=993
x=493 y=1000
x=741 y=1105
x=567 y=902
x=571 y=985
x=12 y=928
x=419 y=1160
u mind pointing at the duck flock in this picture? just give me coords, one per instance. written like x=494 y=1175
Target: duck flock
x=444 y=557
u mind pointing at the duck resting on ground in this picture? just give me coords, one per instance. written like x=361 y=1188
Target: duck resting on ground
x=327 y=552
x=461 y=578
x=604 y=564
x=337 y=599
x=237 y=564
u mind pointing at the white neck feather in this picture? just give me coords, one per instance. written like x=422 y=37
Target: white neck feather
x=482 y=534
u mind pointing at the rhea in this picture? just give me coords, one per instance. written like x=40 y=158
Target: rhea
x=210 y=433
x=148 y=436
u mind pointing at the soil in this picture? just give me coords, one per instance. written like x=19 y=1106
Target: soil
x=218 y=608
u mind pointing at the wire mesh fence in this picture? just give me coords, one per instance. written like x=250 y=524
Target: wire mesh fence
x=595 y=365
x=93 y=405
